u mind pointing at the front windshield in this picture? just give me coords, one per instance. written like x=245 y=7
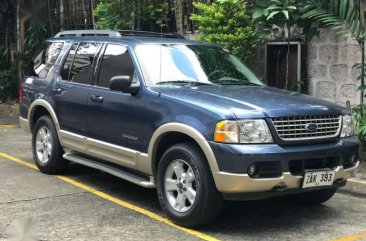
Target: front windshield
x=179 y=64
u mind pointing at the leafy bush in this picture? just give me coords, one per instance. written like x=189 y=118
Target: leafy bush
x=8 y=84
x=8 y=78
x=360 y=121
x=228 y=24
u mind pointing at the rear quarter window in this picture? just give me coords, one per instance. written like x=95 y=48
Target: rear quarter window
x=45 y=59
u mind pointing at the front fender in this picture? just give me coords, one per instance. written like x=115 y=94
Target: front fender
x=187 y=130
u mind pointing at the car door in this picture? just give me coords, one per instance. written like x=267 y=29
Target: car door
x=115 y=117
x=72 y=89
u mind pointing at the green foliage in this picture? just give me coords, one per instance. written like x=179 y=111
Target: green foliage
x=8 y=84
x=35 y=36
x=122 y=14
x=282 y=11
x=8 y=78
x=340 y=15
x=158 y=12
x=360 y=121
x=267 y=13
x=228 y=24
x=113 y=14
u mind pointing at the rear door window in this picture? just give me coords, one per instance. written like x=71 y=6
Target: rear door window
x=116 y=61
x=78 y=64
x=68 y=62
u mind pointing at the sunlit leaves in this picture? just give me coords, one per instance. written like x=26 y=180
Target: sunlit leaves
x=228 y=23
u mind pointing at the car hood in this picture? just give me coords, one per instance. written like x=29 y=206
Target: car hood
x=253 y=101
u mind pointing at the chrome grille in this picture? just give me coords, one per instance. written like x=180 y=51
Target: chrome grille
x=294 y=127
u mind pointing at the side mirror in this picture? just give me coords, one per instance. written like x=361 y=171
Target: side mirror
x=123 y=83
x=120 y=83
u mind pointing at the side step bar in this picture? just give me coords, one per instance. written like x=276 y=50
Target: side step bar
x=113 y=170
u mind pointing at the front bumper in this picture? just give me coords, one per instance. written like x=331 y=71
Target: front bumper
x=233 y=161
x=242 y=183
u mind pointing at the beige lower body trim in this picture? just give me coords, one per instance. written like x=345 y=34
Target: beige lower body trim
x=105 y=151
x=24 y=124
x=242 y=183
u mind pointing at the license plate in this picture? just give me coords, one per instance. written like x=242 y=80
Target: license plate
x=318 y=178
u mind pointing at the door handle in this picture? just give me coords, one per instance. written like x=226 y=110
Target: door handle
x=96 y=98
x=56 y=90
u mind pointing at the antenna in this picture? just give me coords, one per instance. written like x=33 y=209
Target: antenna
x=161 y=38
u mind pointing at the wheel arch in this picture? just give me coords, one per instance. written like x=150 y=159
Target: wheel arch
x=38 y=108
x=178 y=132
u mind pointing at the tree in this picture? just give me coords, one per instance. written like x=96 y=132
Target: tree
x=283 y=13
x=228 y=24
x=114 y=14
x=127 y=14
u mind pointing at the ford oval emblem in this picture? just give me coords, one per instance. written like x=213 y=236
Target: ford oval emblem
x=311 y=127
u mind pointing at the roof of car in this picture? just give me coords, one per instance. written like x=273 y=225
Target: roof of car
x=127 y=37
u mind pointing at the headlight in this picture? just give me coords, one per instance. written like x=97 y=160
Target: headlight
x=243 y=131
x=254 y=131
x=347 y=126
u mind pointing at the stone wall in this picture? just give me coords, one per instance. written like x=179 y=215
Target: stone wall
x=332 y=67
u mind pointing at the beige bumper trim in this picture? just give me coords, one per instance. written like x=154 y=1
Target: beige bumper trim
x=242 y=183
x=24 y=124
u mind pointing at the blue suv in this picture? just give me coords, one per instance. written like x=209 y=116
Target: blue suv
x=185 y=117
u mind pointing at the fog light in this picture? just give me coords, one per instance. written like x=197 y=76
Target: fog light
x=252 y=170
x=353 y=159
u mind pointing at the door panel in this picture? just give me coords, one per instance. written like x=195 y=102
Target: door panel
x=72 y=89
x=116 y=117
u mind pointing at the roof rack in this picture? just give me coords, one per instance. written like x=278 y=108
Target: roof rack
x=115 y=34
x=150 y=34
x=88 y=33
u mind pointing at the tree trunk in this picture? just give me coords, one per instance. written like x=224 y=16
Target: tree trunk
x=362 y=76
x=19 y=42
x=362 y=21
x=49 y=12
x=62 y=16
x=288 y=54
x=178 y=6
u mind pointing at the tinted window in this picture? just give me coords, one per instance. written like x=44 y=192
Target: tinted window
x=85 y=54
x=68 y=62
x=116 y=61
x=45 y=59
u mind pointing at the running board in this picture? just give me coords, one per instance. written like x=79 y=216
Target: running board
x=111 y=169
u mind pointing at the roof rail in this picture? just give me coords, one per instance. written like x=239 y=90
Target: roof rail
x=150 y=34
x=88 y=33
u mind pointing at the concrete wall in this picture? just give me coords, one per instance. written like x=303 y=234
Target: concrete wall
x=332 y=67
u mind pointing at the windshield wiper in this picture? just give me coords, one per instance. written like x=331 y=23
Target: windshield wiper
x=232 y=81
x=183 y=82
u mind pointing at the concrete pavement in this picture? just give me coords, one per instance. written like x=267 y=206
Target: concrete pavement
x=65 y=212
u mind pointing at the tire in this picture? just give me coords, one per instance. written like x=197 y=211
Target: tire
x=47 y=151
x=189 y=210
x=312 y=198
